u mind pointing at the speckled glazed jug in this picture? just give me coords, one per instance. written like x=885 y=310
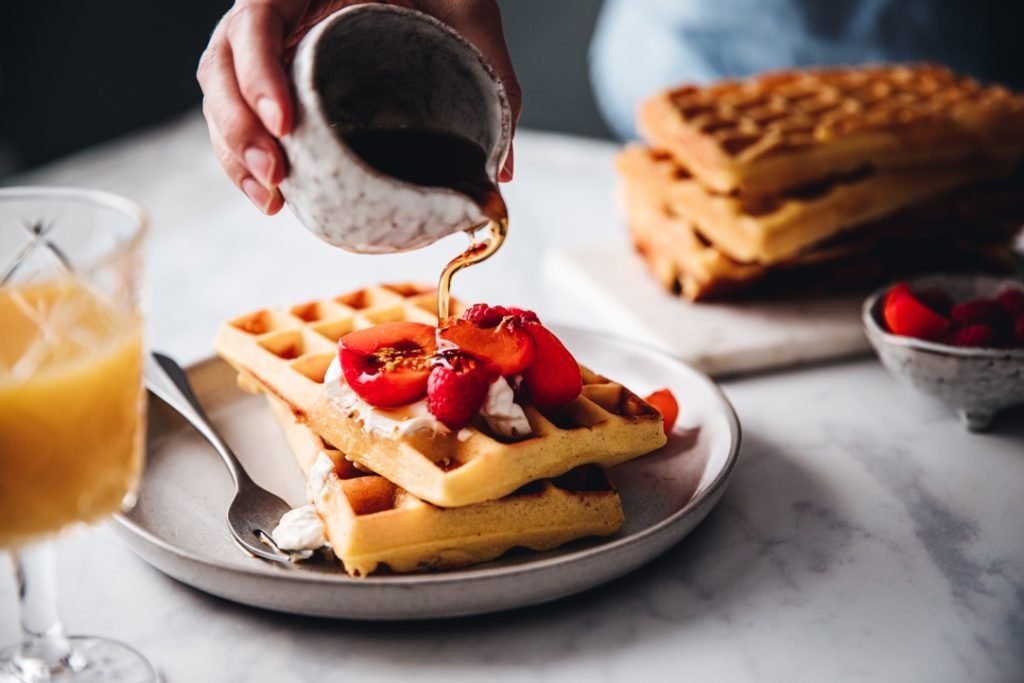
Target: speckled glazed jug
x=377 y=66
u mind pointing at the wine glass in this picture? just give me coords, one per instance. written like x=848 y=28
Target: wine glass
x=72 y=405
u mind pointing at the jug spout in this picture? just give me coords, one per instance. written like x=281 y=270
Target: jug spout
x=377 y=71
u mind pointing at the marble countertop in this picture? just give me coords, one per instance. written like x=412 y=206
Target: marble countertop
x=865 y=536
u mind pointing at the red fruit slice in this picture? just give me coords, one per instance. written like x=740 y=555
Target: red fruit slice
x=457 y=388
x=665 y=403
x=387 y=365
x=1018 y=330
x=553 y=378
x=507 y=346
x=905 y=315
x=524 y=315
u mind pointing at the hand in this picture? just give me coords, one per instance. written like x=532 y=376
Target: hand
x=246 y=100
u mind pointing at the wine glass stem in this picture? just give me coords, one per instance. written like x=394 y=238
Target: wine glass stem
x=44 y=649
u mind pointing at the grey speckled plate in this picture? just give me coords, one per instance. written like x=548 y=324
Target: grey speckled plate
x=178 y=525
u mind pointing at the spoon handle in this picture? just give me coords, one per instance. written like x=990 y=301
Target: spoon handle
x=168 y=381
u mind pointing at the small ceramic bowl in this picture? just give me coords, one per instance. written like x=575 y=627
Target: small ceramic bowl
x=977 y=382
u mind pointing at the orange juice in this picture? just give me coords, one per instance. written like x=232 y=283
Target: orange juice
x=71 y=400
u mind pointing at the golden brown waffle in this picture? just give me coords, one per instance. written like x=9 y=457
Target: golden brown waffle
x=371 y=522
x=784 y=129
x=770 y=230
x=286 y=353
x=970 y=228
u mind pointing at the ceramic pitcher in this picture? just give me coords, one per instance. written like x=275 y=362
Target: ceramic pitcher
x=379 y=66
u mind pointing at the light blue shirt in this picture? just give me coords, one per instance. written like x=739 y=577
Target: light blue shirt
x=641 y=46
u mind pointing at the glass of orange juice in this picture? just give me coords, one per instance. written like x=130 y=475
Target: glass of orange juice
x=72 y=404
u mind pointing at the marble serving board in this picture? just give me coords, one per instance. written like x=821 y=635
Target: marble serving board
x=719 y=338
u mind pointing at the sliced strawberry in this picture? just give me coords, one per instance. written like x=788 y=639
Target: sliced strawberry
x=457 y=388
x=1018 y=330
x=978 y=335
x=524 y=315
x=387 y=365
x=1012 y=301
x=980 y=312
x=665 y=403
x=507 y=345
x=553 y=378
x=905 y=315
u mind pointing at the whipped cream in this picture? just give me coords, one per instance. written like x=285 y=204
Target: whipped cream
x=300 y=529
x=394 y=422
x=503 y=415
x=319 y=475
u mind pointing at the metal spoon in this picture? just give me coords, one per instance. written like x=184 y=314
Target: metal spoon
x=253 y=511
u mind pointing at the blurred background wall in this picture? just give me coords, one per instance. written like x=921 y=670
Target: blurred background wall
x=75 y=73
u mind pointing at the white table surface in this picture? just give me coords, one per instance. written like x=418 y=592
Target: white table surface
x=865 y=536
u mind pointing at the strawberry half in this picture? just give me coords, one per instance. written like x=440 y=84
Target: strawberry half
x=665 y=403
x=457 y=388
x=905 y=315
x=388 y=365
x=506 y=345
x=553 y=378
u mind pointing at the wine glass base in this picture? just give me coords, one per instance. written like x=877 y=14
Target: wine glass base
x=93 y=660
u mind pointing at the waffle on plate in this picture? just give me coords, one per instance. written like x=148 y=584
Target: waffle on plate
x=286 y=353
x=372 y=522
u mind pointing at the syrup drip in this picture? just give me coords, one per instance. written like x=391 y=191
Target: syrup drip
x=477 y=252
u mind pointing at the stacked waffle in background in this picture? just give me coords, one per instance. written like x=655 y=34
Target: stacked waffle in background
x=391 y=487
x=831 y=177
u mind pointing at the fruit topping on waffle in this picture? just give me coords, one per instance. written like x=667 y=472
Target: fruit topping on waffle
x=435 y=413
x=388 y=364
x=463 y=368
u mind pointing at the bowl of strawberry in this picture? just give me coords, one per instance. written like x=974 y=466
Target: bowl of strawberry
x=957 y=337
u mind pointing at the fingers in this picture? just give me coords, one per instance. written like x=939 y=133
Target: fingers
x=267 y=200
x=255 y=33
x=246 y=100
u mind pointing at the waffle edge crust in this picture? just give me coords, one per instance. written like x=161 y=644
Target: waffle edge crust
x=782 y=129
x=371 y=522
x=286 y=352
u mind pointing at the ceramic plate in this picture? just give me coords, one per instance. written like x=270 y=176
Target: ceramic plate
x=179 y=523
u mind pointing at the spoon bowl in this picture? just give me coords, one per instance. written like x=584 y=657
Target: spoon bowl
x=253 y=511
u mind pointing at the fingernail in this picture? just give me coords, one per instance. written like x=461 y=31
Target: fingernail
x=270 y=114
x=261 y=164
x=259 y=195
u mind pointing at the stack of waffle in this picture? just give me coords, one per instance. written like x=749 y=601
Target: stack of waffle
x=426 y=500
x=833 y=176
